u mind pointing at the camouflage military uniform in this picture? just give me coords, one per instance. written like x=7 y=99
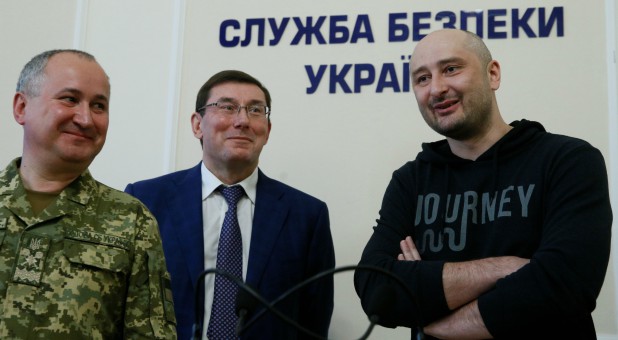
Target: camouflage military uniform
x=90 y=266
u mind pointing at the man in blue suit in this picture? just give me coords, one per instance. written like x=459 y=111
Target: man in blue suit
x=286 y=234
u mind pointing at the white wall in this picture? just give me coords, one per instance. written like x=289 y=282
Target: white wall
x=339 y=147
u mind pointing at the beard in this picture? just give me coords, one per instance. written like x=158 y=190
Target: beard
x=475 y=119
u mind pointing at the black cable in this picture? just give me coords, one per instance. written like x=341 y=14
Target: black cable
x=331 y=272
x=197 y=328
x=271 y=306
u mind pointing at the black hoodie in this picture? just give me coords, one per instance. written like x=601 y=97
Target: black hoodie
x=533 y=194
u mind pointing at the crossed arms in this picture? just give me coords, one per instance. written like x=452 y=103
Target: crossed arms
x=463 y=282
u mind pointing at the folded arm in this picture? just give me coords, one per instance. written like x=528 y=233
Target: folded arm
x=463 y=282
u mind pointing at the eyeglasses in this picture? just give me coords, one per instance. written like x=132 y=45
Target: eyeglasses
x=229 y=109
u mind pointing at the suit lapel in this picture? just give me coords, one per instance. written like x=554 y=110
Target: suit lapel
x=270 y=214
x=188 y=219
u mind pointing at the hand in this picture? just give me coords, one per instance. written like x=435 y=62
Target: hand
x=408 y=250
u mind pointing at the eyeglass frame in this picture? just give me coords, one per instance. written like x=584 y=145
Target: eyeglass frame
x=246 y=107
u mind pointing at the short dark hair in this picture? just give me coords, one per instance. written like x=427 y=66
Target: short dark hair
x=33 y=73
x=227 y=76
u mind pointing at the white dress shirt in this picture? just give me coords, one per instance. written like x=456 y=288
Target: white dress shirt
x=214 y=207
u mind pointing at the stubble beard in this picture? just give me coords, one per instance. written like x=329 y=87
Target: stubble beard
x=470 y=123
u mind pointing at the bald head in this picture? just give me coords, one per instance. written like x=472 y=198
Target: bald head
x=455 y=37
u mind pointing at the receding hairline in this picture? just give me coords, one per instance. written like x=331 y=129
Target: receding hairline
x=79 y=54
x=34 y=71
x=470 y=42
x=475 y=44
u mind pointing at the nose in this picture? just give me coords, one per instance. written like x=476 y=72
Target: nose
x=241 y=119
x=438 y=86
x=83 y=116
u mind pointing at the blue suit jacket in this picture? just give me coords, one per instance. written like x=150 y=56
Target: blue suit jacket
x=290 y=241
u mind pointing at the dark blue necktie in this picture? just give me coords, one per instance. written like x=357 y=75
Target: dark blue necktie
x=223 y=319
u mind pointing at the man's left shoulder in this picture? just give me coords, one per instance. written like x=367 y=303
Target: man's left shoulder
x=118 y=203
x=290 y=192
x=110 y=194
x=566 y=140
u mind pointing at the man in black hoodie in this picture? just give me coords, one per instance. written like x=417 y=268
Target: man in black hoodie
x=498 y=231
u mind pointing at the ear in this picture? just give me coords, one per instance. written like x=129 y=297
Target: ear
x=19 y=107
x=493 y=71
x=268 y=132
x=196 y=119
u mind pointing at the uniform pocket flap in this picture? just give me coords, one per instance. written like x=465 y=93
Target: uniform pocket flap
x=97 y=255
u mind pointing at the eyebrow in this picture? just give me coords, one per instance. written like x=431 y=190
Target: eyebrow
x=233 y=100
x=441 y=62
x=78 y=92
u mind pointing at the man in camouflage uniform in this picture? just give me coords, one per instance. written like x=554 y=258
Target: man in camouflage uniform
x=78 y=259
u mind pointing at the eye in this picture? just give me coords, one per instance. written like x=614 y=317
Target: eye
x=451 y=69
x=422 y=79
x=227 y=107
x=256 y=110
x=99 y=107
x=69 y=100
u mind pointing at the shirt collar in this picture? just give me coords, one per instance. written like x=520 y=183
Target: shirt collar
x=210 y=183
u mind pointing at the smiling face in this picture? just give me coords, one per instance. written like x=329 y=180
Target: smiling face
x=454 y=83
x=232 y=143
x=65 y=122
